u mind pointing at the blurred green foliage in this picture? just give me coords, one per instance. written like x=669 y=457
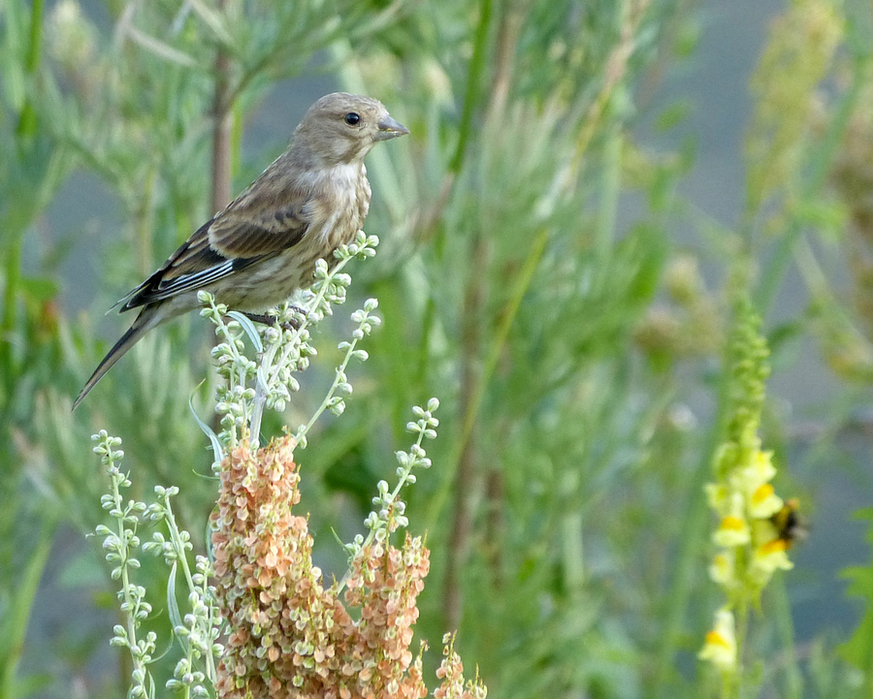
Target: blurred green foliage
x=576 y=349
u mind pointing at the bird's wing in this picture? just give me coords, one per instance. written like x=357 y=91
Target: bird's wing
x=244 y=233
x=251 y=228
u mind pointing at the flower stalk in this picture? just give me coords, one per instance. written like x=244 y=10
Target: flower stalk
x=751 y=544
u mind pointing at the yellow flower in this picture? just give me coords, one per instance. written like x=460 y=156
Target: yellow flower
x=769 y=558
x=733 y=530
x=722 y=570
x=720 y=646
x=752 y=480
x=758 y=470
x=762 y=463
x=764 y=502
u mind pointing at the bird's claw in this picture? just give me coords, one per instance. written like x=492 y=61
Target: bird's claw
x=272 y=321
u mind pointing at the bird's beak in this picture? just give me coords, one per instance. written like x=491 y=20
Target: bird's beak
x=389 y=128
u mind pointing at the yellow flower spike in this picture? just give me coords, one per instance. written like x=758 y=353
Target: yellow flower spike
x=720 y=646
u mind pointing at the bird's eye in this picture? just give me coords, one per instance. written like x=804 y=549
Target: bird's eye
x=352 y=118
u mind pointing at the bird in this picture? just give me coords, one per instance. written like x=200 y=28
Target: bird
x=263 y=246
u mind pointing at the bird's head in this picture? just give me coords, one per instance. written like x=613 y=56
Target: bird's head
x=342 y=128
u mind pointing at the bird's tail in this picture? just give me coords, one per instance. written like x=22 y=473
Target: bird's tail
x=148 y=318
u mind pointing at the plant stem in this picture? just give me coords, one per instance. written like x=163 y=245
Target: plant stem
x=27 y=119
x=179 y=546
x=221 y=134
x=15 y=624
x=124 y=551
x=474 y=75
x=465 y=485
x=336 y=381
x=785 y=630
x=7 y=322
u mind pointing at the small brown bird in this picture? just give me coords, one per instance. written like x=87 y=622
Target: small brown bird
x=262 y=246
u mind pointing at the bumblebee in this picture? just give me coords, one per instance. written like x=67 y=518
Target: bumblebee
x=790 y=526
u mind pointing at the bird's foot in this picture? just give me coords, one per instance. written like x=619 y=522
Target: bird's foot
x=273 y=321
x=261 y=318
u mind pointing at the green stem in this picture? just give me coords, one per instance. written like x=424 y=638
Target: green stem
x=741 y=614
x=466 y=482
x=33 y=50
x=15 y=625
x=222 y=113
x=7 y=322
x=785 y=629
x=474 y=76
x=424 y=351
x=124 y=551
x=341 y=369
x=27 y=118
x=179 y=545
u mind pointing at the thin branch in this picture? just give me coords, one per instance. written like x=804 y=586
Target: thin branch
x=465 y=482
x=221 y=134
